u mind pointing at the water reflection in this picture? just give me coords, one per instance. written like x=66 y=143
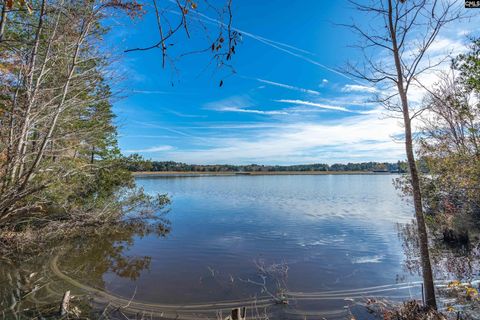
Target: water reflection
x=29 y=287
x=334 y=233
x=449 y=261
x=456 y=269
x=95 y=256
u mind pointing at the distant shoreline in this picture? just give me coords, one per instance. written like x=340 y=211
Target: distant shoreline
x=253 y=173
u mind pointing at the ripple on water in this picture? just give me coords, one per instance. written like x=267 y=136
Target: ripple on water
x=333 y=232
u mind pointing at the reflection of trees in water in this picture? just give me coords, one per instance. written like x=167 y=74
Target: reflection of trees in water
x=408 y=236
x=91 y=258
x=28 y=283
x=449 y=260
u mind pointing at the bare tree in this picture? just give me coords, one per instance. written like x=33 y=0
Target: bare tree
x=402 y=31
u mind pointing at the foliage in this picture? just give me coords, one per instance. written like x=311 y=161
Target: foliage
x=450 y=147
x=60 y=167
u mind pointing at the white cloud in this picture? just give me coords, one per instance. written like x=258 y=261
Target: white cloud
x=151 y=149
x=351 y=100
x=445 y=45
x=184 y=115
x=287 y=86
x=149 y=91
x=357 y=138
x=240 y=104
x=242 y=110
x=314 y=104
x=238 y=101
x=358 y=88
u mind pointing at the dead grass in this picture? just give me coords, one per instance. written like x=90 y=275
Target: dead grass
x=410 y=310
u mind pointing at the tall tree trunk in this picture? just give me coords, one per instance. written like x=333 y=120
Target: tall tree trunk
x=428 y=285
x=22 y=144
x=58 y=110
x=92 y=156
x=3 y=20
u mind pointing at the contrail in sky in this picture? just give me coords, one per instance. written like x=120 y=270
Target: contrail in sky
x=289 y=49
x=282 y=85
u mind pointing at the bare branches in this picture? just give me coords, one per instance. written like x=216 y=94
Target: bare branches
x=170 y=33
x=409 y=27
x=160 y=31
x=272 y=277
x=177 y=16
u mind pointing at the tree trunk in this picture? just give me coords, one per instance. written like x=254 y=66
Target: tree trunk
x=23 y=140
x=428 y=285
x=58 y=109
x=3 y=20
x=92 y=156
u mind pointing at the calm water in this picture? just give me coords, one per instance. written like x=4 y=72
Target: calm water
x=333 y=232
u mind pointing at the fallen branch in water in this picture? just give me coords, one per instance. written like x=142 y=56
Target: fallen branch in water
x=65 y=303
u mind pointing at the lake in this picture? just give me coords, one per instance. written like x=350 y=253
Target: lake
x=335 y=232
x=314 y=240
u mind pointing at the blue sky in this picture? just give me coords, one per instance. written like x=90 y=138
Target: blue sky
x=285 y=104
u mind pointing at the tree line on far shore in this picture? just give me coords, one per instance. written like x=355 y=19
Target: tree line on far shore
x=136 y=163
